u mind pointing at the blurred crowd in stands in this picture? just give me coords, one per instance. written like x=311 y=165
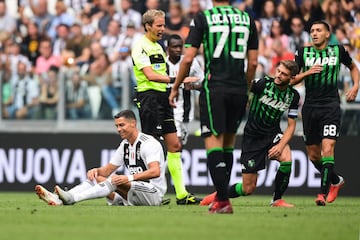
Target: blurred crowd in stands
x=74 y=55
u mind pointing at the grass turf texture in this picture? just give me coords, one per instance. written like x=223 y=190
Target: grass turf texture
x=24 y=216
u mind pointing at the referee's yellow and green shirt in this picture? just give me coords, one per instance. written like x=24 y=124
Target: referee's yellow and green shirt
x=147 y=53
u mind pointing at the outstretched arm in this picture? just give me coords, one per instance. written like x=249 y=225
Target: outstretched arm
x=185 y=65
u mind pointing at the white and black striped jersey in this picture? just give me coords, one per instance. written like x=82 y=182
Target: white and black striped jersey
x=184 y=111
x=136 y=157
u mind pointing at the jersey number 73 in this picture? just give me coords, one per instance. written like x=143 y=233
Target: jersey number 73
x=240 y=41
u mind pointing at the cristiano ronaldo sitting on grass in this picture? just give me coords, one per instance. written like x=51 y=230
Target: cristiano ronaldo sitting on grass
x=141 y=154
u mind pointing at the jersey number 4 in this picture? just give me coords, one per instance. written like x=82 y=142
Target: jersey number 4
x=240 y=41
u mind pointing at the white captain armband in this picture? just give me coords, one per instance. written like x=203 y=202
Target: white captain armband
x=293 y=113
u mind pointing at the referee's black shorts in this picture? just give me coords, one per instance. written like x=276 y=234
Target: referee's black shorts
x=156 y=115
x=320 y=122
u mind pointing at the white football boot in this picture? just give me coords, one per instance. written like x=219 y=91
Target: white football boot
x=65 y=196
x=49 y=197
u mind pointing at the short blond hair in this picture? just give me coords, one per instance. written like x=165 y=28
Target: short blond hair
x=150 y=15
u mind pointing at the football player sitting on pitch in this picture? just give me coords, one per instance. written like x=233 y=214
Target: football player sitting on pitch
x=141 y=154
x=263 y=138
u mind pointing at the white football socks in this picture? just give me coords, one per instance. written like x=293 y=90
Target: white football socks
x=97 y=191
x=82 y=187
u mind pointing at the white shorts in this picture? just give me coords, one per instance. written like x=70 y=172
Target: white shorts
x=143 y=194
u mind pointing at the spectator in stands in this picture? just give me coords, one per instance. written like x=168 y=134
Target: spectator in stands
x=299 y=37
x=110 y=38
x=96 y=52
x=31 y=42
x=267 y=16
x=285 y=10
x=76 y=98
x=87 y=27
x=341 y=35
x=22 y=21
x=334 y=14
x=175 y=22
x=127 y=14
x=263 y=63
x=76 y=6
x=99 y=75
x=127 y=38
x=109 y=92
x=61 y=17
x=311 y=11
x=108 y=10
x=122 y=75
x=7 y=22
x=49 y=93
x=276 y=33
x=281 y=52
x=190 y=12
x=14 y=57
x=152 y=4
x=77 y=47
x=245 y=6
x=7 y=93
x=42 y=17
x=46 y=58
x=25 y=95
x=62 y=35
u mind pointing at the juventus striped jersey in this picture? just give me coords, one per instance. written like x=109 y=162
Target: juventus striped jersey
x=136 y=158
x=268 y=105
x=185 y=104
x=322 y=88
x=227 y=34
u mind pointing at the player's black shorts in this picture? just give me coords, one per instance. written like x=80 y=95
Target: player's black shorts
x=320 y=122
x=156 y=115
x=254 y=152
x=221 y=111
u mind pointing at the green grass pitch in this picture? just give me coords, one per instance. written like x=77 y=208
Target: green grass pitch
x=24 y=216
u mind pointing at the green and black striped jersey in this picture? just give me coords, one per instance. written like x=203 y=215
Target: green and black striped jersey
x=226 y=34
x=322 y=88
x=267 y=106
